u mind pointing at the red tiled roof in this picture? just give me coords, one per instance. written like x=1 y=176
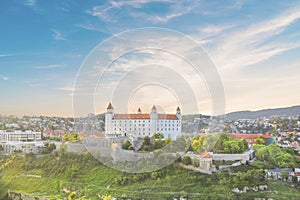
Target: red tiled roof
x=144 y=116
x=167 y=116
x=132 y=116
x=109 y=106
x=206 y=155
x=250 y=136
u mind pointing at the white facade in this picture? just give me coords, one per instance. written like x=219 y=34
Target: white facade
x=142 y=124
x=18 y=135
x=23 y=141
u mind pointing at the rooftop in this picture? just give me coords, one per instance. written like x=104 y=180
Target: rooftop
x=145 y=116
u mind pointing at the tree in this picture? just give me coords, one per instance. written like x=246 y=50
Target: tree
x=168 y=140
x=227 y=144
x=158 y=144
x=187 y=160
x=197 y=144
x=196 y=162
x=284 y=175
x=71 y=137
x=262 y=153
x=147 y=140
x=158 y=136
x=30 y=156
x=72 y=196
x=127 y=145
x=245 y=144
x=107 y=197
x=260 y=140
x=51 y=146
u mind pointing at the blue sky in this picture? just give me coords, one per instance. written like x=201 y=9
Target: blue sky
x=254 y=45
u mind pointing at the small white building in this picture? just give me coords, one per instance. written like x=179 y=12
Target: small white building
x=297 y=174
x=139 y=125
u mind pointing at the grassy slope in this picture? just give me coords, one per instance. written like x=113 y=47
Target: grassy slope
x=90 y=179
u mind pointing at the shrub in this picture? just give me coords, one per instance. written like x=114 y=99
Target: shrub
x=196 y=162
x=187 y=160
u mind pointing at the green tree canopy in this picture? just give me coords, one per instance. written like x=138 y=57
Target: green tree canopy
x=260 y=140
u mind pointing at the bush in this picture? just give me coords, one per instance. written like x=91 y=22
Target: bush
x=127 y=145
x=187 y=160
x=196 y=162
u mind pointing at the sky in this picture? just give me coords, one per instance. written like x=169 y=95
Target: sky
x=45 y=45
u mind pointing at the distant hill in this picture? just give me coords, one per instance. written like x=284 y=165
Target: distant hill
x=293 y=111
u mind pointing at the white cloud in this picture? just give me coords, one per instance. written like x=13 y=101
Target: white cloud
x=66 y=88
x=136 y=3
x=70 y=90
x=49 y=66
x=176 y=9
x=31 y=2
x=214 y=29
x=7 y=55
x=57 y=35
x=4 y=78
x=87 y=26
x=254 y=44
x=32 y=83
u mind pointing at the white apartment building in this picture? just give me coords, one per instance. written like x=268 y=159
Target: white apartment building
x=139 y=125
x=23 y=141
x=20 y=136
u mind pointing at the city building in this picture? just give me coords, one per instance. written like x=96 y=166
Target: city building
x=20 y=136
x=278 y=174
x=297 y=174
x=139 y=125
x=21 y=141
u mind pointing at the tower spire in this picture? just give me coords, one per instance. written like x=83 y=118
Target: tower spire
x=110 y=106
x=139 y=111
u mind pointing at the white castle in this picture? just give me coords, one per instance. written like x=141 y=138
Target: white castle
x=139 y=125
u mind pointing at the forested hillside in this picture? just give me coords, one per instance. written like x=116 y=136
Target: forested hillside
x=79 y=176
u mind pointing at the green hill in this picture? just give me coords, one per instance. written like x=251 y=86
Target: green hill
x=61 y=175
